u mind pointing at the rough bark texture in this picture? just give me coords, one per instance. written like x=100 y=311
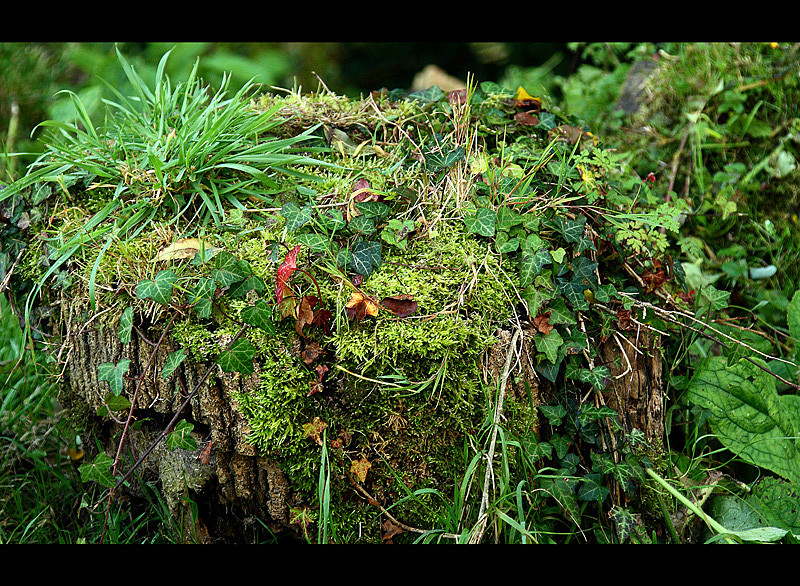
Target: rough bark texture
x=636 y=391
x=234 y=487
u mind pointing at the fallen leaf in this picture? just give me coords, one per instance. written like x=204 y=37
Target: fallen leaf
x=205 y=454
x=305 y=314
x=360 y=468
x=389 y=530
x=360 y=306
x=523 y=100
x=362 y=193
x=526 y=119
x=183 y=248
x=400 y=305
x=314 y=429
x=288 y=266
x=654 y=279
x=312 y=351
x=542 y=323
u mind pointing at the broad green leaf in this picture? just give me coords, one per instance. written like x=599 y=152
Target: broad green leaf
x=583 y=270
x=596 y=378
x=428 y=96
x=181 y=437
x=573 y=292
x=776 y=501
x=507 y=219
x=126 y=325
x=114 y=374
x=505 y=244
x=238 y=358
x=553 y=413
x=560 y=313
x=793 y=319
x=314 y=242
x=748 y=416
x=572 y=230
x=718 y=299
x=605 y=292
x=241 y=288
x=531 y=264
x=558 y=254
x=172 y=362
x=592 y=489
x=549 y=344
x=533 y=243
x=159 y=289
x=331 y=220
x=362 y=257
x=114 y=403
x=99 y=470
x=228 y=270
x=375 y=210
x=259 y=315
x=295 y=216
x=481 y=223
x=397 y=231
x=201 y=296
x=362 y=225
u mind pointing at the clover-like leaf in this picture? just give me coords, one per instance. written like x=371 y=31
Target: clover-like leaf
x=482 y=222
x=172 y=362
x=181 y=437
x=125 y=325
x=159 y=289
x=113 y=374
x=238 y=358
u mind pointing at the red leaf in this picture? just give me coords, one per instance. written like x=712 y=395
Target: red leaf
x=314 y=429
x=389 y=530
x=362 y=192
x=360 y=468
x=400 y=305
x=457 y=96
x=526 y=119
x=288 y=266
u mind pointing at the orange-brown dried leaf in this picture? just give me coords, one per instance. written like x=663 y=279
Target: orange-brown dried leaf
x=360 y=306
x=624 y=319
x=305 y=314
x=542 y=323
x=312 y=351
x=205 y=454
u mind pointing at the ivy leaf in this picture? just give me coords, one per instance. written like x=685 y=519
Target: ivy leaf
x=507 y=219
x=200 y=296
x=125 y=325
x=360 y=468
x=259 y=315
x=572 y=230
x=181 y=437
x=99 y=471
x=559 y=313
x=332 y=220
x=427 y=96
x=553 y=413
x=295 y=216
x=314 y=242
x=583 y=269
x=573 y=292
x=360 y=306
x=228 y=270
x=718 y=299
x=302 y=517
x=314 y=430
x=113 y=403
x=397 y=231
x=172 y=362
x=362 y=257
x=531 y=264
x=505 y=244
x=375 y=210
x=241 y=288
x=238 y=358
x=362 y=225
x=114 y=374
x=592 y=489
x=158 y=289
x=482 y=222
x=549 y=344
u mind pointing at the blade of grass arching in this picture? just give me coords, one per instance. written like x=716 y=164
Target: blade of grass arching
x=83 y=115
x=516 y=526
x=323 y=493
x=136 y=81
x=207 y=202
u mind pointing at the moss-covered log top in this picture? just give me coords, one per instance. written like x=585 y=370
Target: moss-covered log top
x=358 y=259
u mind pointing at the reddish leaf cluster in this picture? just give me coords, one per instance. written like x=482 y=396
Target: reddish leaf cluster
x=655 y=278
x=308 y=316
x=362 y=193
x=285 y=270
x=317 y=385
x=314 y=430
